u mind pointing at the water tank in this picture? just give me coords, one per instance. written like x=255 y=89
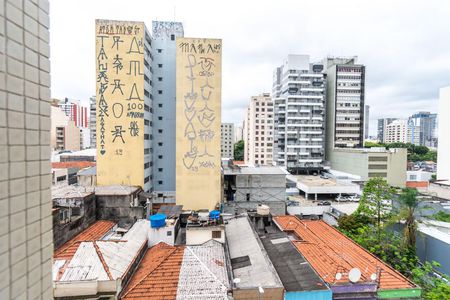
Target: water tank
x=158 y=220
x=214 y=214
x=263 y=210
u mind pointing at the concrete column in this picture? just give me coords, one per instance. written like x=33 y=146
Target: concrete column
x=315 y=196
x=306 y=196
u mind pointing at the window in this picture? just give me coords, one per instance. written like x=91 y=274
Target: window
x=159 y=78
x=413 y=177
x=160 y=118
x=159 y=50
x=160 y=144
x=159 y=104
x=169 y=233
x=172 y=37
x=146 y=165
x=160 y=169
x=147 y=179
x=160 y=156
x=159 y=65
x=247 y=196
x=160 y=182
x=216 y=234
x=160 y=195
x=160 y=130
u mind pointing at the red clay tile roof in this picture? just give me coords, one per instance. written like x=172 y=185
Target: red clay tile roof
x=157 y=275
x=90 y=234
x=72 y=164
x=329 y=251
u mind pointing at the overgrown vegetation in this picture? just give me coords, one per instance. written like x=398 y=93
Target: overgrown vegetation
x=239 y=150
x=415 y=153
x=441 y=216
x=370 y=227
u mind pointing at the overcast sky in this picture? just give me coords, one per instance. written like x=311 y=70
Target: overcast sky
x=405 y=45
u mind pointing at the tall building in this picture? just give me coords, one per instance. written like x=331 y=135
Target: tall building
x=227 y=140
x=64 y=135
x=124 y=104
x=423 y=126
x=345 y=103
x=26 y=238
x=443 y=159
x=299 y=98
x=75 y=111
x=382 y=123
x=259 y=131
x=164 y=35
x=93 y=121
x=238 y=133
x=198 y=112
x=366 y=121
x=396 y=132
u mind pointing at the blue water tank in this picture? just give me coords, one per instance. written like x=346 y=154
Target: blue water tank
x=158 y=220
x=214 y=214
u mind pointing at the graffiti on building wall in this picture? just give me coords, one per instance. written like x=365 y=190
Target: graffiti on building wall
x=166 y=29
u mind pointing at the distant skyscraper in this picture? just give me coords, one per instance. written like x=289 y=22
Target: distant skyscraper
x=227 y=140
x=382 y=123
x=366 y=121
x=299 y=97
x=163 y=63
x=443 y=159
x=238 y=133
x=93 y=121
x=198 y=112
x=76 y=112
x=259 y=131
x=423 y=126
x=345 y=103
x=396 y=132
x=124 y=104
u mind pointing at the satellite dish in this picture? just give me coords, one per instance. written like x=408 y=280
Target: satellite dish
x=354 y=275
x=373 y=277
x=338 y=276
x=236 y=280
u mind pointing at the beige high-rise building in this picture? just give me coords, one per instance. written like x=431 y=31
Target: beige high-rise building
x=124 y=106
x=396 y=132
x=258 y=131
x=64 y=134
x=198 y=109
x=26 y=237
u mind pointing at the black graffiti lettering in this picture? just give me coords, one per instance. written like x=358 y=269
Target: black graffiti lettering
x=117 y=109
x=116 y=41
x=134 y=128
x=134 y=95
x=117 y=85
x=117 y=64
x=117 y=133
x=103 y=87
x=135 y=46
x=135 y=115
x=102 y=37
x=135 y=67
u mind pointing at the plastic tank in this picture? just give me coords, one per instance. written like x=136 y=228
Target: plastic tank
x=214 y=214
x=158 y=220
x=263 y=210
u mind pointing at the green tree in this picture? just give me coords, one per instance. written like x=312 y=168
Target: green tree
x=408 y=206
x=421 y=150
x=376 y=202
x=239 y=150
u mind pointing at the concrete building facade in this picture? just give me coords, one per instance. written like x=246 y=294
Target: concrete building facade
x=64 y=134
x=26 y=238
x=443 y=159
x=93 y=121
x=227 y=140
x=164 y=35
x=397 y=132
x=198 y=118
x=366 y=121
x=238 y=133
x=259 y=131
x=299 y=92
x=372 y=162
x=124 y=104
x=345 y=103
x=382 y=123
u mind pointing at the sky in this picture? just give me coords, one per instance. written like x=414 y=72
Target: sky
x=405 y=45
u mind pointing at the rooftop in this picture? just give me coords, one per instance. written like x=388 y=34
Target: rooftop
x=329 y=252
x=249 y=260
x=295 y=272
x=97 y=253
x=180 y=272
x=89 y=171
x=72 y=164
x=110 y=190
x=314 y=181
x=71 y=191
x=265 y=170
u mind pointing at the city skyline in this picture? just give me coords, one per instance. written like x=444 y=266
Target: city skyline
x=405 y=76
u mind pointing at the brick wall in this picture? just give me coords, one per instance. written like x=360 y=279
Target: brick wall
x=26 y=240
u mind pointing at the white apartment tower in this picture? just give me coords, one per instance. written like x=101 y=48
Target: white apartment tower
x=299 y=110
x=259 y=131
x=345 y=103
x=227 y=140
x=396 y=132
